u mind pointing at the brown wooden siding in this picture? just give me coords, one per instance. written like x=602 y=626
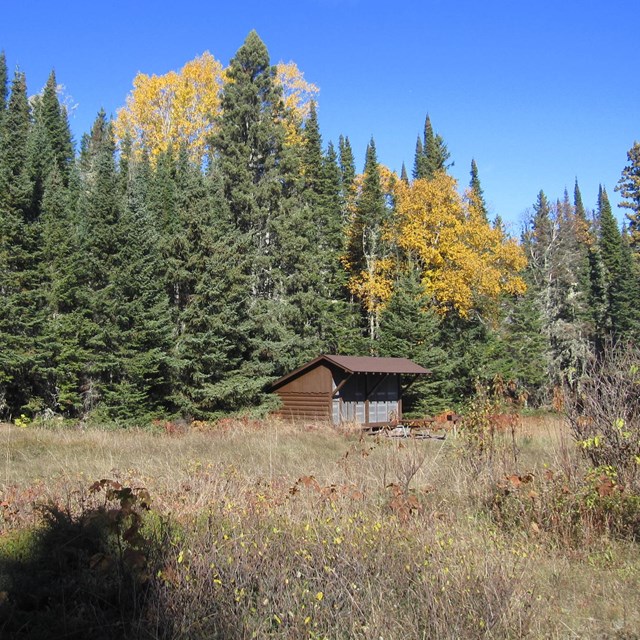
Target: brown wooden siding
x=304 y=405
x=316 y=380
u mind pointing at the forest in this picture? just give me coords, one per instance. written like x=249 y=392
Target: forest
x=206 y=241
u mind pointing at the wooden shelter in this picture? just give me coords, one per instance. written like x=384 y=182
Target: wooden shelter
x=364 y=390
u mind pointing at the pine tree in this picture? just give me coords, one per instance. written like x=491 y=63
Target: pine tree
x=248 y=146
x=55 y=122
x=620 y=273
x=260 y=184
x=403 y=174
x=580 y=211
x=409 y=328
x=476 y=190
x=99 y=210
x=419 y=169
x=142 y=321
x=15 y=183
x=521 y=351
x=347 y=165
x=431 y=153
x=4 y=93
x=21 y=304
x=63 y=277
x=629 y=188
x=367 y=249
x=610 y=239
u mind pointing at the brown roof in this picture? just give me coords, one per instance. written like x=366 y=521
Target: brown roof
x=368 y=364
x=361 y=364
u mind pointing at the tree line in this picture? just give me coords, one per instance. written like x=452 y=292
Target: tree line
x=147 y=276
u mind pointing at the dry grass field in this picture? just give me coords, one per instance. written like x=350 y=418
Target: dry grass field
x=248 y=529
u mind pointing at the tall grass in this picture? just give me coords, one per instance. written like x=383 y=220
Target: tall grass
x=278 y=530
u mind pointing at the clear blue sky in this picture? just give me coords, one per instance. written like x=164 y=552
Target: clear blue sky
x=538 y=92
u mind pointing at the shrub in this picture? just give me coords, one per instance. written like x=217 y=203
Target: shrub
x=603 y=410
x=84 y=572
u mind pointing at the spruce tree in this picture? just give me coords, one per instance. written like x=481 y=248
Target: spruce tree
x=259 y=180
x=49 y=142
x=367 y=246
x=610 y=238
x=21 y=304
x=580 y=211
x=15 y=182
x=4 y=92
x=435 y=151
x=431 y=153
x=521 y=352
x=629 y=188
x=620 y=273
x=4 y=78
x=347 y=166
x=248 y=148
x=98 y=255
x=419 y=170
x=410 y=328
x=476 y=191
x=598 y=302
x=142 y=321
x=56 y=124
x=403 y=174
x=63 y=276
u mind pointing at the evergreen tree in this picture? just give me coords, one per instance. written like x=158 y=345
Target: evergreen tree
x=100 y=206
x=620 y=273
x=409 y=328
x=629 y=188
x=56 y=124
x=347 y=165
x=260 y=187
x=580 y=211
x=598 y=302
x=21 y=304
x=403 y=174
x=15 y=182
x=476 y=190
x=431 y=153
x=63 y=277
x=4 y=92
x=419 y=170
x=49 y=142
x=435 y=150
x=468 y=344
x=521 y=352
x=140 y=307
x=4 y=78
x=367 y=247
x=610 y=238
x=248 y=146
x=557 y=278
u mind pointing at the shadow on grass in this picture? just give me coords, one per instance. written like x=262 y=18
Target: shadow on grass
x=83 y=576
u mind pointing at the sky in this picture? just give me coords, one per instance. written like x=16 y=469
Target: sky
x=538 y=92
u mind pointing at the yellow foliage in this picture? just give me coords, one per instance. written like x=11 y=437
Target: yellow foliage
x=372 y=282
x=464 y=261
x=181 y=108
x=373 y=286
x=297 y=94
x=173 y=109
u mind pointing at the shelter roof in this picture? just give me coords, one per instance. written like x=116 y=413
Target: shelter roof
x=359 y=364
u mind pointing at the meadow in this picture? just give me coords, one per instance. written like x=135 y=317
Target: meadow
x=268 y=529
